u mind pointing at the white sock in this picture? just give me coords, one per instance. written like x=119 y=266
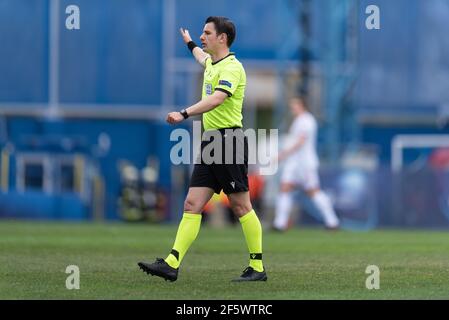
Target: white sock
x=323 y=203
x=283 y=207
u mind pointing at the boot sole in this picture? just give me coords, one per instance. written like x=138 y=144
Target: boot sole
x=147 y=270
x=244 y=280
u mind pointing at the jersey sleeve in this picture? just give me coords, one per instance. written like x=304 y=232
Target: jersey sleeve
x=204 y=61
x=229 y=79
x=207 y=62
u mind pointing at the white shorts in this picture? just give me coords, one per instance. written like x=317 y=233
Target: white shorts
x=306 y=178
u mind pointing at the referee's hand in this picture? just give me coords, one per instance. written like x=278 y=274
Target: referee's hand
x=174 y=117
x=185 y=35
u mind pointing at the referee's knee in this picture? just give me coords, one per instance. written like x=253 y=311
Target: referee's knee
x=240 y=209
x=192 y=206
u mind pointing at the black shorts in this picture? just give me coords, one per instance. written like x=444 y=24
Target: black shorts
x=227 y=171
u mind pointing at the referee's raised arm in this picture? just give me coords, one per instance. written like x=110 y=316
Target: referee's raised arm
x=197 y=52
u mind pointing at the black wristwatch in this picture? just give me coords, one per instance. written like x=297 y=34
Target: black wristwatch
x=184 y=113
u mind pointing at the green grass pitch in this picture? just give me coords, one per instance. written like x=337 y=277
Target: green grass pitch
x=301 y=264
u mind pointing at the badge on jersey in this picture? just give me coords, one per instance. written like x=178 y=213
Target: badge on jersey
x=225 y=83
x=208 y=89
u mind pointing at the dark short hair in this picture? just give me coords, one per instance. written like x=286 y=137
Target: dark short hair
x=223 y=25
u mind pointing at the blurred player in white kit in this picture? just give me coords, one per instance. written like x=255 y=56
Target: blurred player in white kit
x=301 y=169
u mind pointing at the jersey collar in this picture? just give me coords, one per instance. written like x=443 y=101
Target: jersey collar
x=230 y=54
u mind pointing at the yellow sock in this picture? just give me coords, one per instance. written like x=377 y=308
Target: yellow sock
x=253 y=235
x=187 y=231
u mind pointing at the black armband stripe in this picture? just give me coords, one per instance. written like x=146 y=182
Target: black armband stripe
x=225 y=91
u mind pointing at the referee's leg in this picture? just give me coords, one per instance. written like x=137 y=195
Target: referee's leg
x=241 y=205
x=188 y=229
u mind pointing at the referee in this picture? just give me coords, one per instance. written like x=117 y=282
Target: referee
x=221 y=106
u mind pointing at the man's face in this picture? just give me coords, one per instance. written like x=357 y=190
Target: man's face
x=209 y=39
x=296 y=106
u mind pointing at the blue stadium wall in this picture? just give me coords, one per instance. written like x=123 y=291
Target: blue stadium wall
x=133 y=141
